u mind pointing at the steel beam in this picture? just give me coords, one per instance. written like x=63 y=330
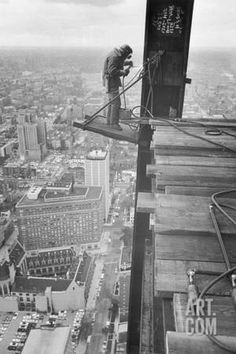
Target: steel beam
x=168 y=26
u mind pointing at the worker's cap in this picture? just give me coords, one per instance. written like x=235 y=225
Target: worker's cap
x=126 y=49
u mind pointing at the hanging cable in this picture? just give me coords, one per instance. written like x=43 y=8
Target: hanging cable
x=219 y=236
x=155 y=60
x=194 y=135
x=149 y=61
x=123 y=86
x=227 y=206
x=139 y=72
x=203 y=293
x=230 y=270
x=144 y=108
x=141 y=76
x=151 y=80
x=213 y=198
x=171 y=123
x=216 y=131
x=213 y=132
x=227 y=133
x=150 y=92
x=108 y=103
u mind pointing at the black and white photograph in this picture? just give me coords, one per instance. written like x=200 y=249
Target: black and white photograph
x=117 y=176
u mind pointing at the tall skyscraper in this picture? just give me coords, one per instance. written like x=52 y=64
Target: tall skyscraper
x=32 y=137
x=97 y=173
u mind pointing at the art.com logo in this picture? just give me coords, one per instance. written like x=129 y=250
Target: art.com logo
x=199 y=317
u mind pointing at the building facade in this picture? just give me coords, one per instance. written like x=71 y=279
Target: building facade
x=12 y=262
x=60 y=217
x=12 y=256
x=97 y=173
x=6 y=147
x=50 y=261
x=55 y=293
x=18 y=169
x=48 y=294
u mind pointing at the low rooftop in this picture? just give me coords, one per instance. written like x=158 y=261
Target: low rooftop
x=38 y=285
x=97 y=154
x=41 y=341
x=83 y=193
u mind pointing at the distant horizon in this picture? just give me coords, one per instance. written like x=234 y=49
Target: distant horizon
x=104 y=23
x=101 y=47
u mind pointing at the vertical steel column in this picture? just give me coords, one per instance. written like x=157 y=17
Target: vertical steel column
x=141 y=232
x=168 y=26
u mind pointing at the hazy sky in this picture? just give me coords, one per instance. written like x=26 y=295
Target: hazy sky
x=105 y=23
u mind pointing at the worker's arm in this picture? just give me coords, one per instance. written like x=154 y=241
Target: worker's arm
x=114 y=67
x=128 y=63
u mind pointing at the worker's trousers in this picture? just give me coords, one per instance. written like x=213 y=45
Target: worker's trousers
x=114 y=108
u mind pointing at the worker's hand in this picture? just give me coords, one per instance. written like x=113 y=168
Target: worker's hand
x=126 y=72
x=161 y=52
x=129 y=63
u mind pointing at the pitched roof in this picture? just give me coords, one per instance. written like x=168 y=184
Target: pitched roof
x=38 y=285
x=17 y=253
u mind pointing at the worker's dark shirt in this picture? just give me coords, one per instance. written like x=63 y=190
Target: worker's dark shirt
x=113 y=70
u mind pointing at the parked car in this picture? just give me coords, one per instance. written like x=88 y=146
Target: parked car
x=15 y=314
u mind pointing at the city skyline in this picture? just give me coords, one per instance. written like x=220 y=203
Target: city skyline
x=75 y=23
x=91 y=225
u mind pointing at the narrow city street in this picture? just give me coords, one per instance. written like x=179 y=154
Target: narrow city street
x=102 y=288
x=95 y=285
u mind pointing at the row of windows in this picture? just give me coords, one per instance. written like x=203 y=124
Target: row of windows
x=61 y=232
x=27 y=299
x=62 y=238
x=48 y=270
x=49 y=261
x=71 y=207
x=51 y=269
x=61 y=223
x=64 y=227
x=32 y=244
x=69 y=218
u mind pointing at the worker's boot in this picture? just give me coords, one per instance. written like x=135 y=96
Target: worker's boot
x=115 y=126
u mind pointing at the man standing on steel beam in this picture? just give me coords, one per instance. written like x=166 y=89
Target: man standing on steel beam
x=114 y=65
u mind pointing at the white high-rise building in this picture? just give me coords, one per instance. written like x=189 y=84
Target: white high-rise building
x=97 y=173
x=32 y=137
